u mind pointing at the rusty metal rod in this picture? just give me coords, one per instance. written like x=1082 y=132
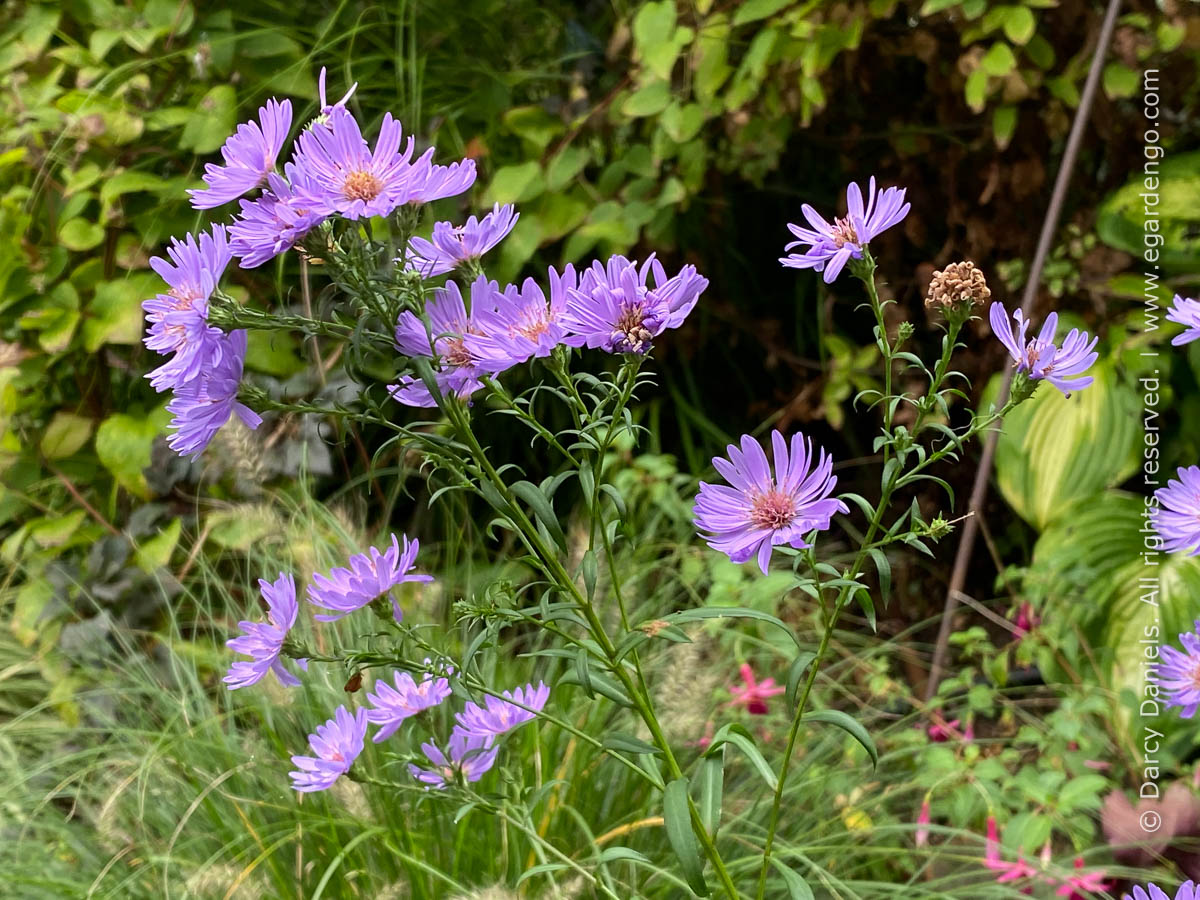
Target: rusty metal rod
x=966 y=545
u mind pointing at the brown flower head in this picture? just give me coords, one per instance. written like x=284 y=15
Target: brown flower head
x=959 y=287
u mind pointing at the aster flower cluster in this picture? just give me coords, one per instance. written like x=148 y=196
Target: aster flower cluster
x=471 y=749
x=369 y=577
x=333 y=172
x=205 y=364
x=617 y=307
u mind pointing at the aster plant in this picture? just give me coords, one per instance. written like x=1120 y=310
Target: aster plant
x=407 y=294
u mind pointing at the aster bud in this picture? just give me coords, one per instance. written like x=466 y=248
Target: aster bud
x=904 y=332
x=939 y=527
x=1022 y=388
x=957 y=290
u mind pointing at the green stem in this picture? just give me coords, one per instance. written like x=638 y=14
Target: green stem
x=939 y=374
x=555 y=569
x=822 y=649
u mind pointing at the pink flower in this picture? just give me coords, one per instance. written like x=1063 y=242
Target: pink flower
x=942 y=731
x=923 y=823
x=1088 y=882
x=1008 y=871
x=754 y=695
x=1026 y=620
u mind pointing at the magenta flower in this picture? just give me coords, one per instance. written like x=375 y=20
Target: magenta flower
x=830 y=247
x=761 y=511
x=939 y=733
x=1189 y=890
x=336 y=744
x=452 y=246
x=1040 y=358
x=461 y=350
x=343 y=176
x=1008 y=871
x=1185 y=312
x=263 y=641
x=754 y=694
x=1083 y=883
x=468 y=754
x=250 y=153
x=428 y=182
x=370 y=576
x=923 y=820
x=504 y=713
x=1179 y=673
x=1175 y=514
x=201 y=406
x=179 y=318
x=392 y=705
x=1027 y=619
x=275 y=221
x=615 y=308
x=521 y=324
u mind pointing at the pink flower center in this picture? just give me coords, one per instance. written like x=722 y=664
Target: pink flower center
x=361 y=185
x=457 y=353
x=843 y=233
x=773 y=510
x=533 y=327
x=183 y=300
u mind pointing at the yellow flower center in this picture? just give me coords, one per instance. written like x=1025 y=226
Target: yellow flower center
x=361 y=186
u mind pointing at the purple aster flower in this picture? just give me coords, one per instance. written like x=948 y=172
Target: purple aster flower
x=468 y=754
x=761 y=511
x=428 y=182
x=336 y=744
x=263 y=641
x=504 y=713
x=328 y=108
x=615 y=308
x=1176 y=515
x=461 y=355
x=1040 y=358
x=1189 y=890
x=274 y=222
x=1179 y=673
x=179 y=318
x=201 y=406
x=1185 y=312
x=370 y=576
x=343 y=176
x=830 y=247
x=453 y=245
x=392 y=705
x=250 y=153
x=520 y=324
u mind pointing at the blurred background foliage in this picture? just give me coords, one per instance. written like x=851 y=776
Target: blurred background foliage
x=692 y=129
